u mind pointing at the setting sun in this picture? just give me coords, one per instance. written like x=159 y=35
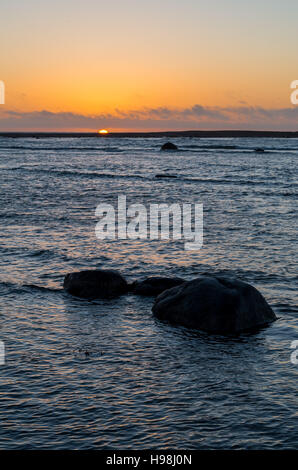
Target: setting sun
x=103 y=131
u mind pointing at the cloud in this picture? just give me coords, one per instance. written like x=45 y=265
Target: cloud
x=161 y=118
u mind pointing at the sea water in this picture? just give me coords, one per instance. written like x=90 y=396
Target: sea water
x=106 y=374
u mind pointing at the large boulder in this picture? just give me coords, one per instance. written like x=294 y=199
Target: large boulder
x=169 y=146
x=153 y=286
x=95 y=284
x=214 y=304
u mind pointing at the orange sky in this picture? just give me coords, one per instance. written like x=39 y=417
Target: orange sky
x=92 y=58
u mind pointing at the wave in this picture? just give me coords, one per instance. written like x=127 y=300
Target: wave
x=237 y=182
x=89 y=174
x=41 y=288
x=183 y=148
x=65 y=149
x=249 y=275
x=7 y=288
x=236 y=149
x=29 y=253
x=212 y=147
x=228 y=180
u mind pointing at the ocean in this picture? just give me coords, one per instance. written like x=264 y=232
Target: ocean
x=105 y=374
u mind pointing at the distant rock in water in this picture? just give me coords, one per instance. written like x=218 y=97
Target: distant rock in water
x=155 y=285
x=214 y=304
x=165 y=176
x=95 y=284
x=169 y=146
x=259 y=150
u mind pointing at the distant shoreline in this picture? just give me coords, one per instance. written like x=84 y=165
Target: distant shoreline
x=172 y=134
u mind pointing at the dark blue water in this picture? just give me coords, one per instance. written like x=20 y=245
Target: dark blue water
x=106 y=374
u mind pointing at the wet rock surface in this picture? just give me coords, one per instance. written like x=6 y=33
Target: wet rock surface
x=153 y=286
x=169 y=146
x=214 y=304
x=95 y=284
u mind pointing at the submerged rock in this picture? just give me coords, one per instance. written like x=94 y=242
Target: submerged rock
x=155 y=285
x=259 y=150
x=214 y=304
x=169 y=146
x=165 y=175
x=95 y=284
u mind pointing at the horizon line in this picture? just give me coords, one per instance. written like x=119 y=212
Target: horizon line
x=170 y=133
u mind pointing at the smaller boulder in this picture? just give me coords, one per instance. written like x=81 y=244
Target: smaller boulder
x=95 y=284
x=169 y=146
x=153 y=286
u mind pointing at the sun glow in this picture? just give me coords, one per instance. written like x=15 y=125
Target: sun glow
x=103 y=132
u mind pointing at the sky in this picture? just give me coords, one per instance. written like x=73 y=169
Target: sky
x=83 y=65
